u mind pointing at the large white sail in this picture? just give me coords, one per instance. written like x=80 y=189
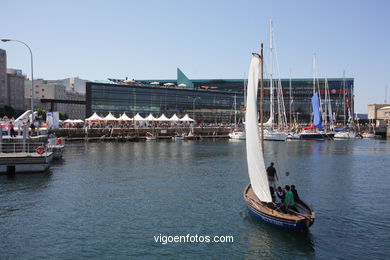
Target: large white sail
x=254 y=152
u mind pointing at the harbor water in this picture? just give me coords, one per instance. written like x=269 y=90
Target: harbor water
x=112 y=200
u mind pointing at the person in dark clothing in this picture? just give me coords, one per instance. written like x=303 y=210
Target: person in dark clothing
x=271 y=189
x=32 y=126
x=295 y=193
x=272 y=176
x=12 y=130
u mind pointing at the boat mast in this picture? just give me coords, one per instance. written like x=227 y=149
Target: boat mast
x=290 y=98
x=261 y=96
x=344 y=122
x=245 y=85
x=314 y=74
x=235 y=111
x=270 y=75
x=314 y=87
x=326 y=101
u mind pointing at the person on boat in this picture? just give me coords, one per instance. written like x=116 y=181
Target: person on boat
x=272 y=175
x=295 y=193
x=289 y=201
x=12 y=130
x=271 y=189
x=279 y=196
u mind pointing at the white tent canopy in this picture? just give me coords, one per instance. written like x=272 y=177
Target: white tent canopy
x=150 y=117
x=169 y=84
x=68 y=121
x=124 y=117
x=174 y=118
x=154 y=83
x=186 y=118
x=94 y=117
x=182 y=85
x=78 y=121
x=162 y=118
x=137 y=117
x=110 y=117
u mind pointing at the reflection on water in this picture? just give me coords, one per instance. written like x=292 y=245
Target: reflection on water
x=110 y=199
x=268 y=241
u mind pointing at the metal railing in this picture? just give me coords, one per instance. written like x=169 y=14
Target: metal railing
x=23 y=148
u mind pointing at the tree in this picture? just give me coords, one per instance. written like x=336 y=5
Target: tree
x=63 y=116
x=7 y=111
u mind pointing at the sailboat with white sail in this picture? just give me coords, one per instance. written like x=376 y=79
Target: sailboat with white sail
x=257 y=194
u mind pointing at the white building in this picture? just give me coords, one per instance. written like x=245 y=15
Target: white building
x=380 y=113
x=45 y=89
x=75 y=85
x=59 y=90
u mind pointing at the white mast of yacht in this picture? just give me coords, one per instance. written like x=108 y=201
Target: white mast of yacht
x=271 y=120
x=235 y=111
x=290 y=100
x=344 y=105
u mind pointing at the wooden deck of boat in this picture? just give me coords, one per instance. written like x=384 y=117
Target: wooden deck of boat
x=260 y=206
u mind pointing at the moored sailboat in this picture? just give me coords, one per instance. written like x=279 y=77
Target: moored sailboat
x=257 y=194
x=236 y=133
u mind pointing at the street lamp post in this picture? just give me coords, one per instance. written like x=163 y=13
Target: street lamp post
x=32 y=75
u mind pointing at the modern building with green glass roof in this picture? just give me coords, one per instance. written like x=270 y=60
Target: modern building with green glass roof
x=215 y=100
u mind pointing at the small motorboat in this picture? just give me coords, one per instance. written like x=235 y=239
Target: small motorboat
x=345 y=135
x=236 y=134
x=57 y=146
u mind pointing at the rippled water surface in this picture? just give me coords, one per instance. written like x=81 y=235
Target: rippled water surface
x=109 y=200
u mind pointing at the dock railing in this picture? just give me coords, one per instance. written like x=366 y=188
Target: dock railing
x=24 y=148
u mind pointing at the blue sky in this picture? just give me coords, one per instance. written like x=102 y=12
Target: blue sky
x=145 y=39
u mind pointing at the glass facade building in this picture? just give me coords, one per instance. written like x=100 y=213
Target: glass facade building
x=212 y=101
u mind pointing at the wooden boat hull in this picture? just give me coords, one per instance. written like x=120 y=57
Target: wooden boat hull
x=274 y=217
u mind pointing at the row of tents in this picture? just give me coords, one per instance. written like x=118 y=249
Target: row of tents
x=95 y=118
